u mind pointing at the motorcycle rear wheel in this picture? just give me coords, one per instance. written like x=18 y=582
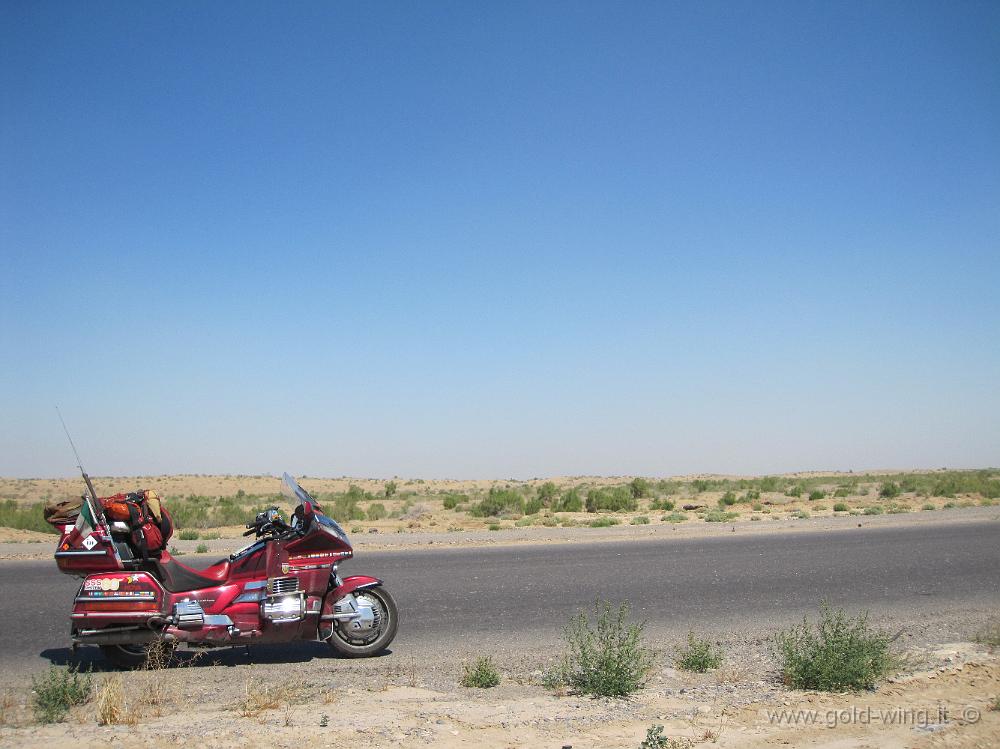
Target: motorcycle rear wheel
x=153 y=655
x=345 y=646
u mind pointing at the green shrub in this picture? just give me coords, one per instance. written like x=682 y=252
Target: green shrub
x=873 y=510
x=698 y=655
x=990 y=633
x=718 y=516
x=547 y=493
x=639 y=488
x=499 y=502
x=949 y=506
x=842 y=492
x=603 y=522
x=188 y=535
x=525 y=522
x=56 y=691
x=674 y=517
x=728 y=499
x=390 y=489
x=801 y=514
x=662 y=504
x=889 y=490
x=840 y=653
x=816 y=494
x=481 y=675
x=656 y=740
x=569 y=502
x=202 y=549
x=376 y=511
x=26 y=517
x=795 y=491
x=752 y=495
x=617 y=499
x=495 y=526
x=609 y=659
x=345 y=506
x=928 y=506
x=840 y=507
x=451 y=501
x=640 y=520
x=533 y=506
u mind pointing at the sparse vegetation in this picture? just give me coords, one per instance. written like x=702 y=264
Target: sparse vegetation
x=604 y=522
x=57 y=690
x=874 y=510
x=674 y=517
x=451 y=501
x=188 y=535
x=481 y=675
x=376 y=511
x=639 y=488
x=570 y=501
x=889 y=490
x=499 y=502
x=990 y=633
x=390 y=489
x=608 y=659
x=816 y=494
x=718 y=516
x=840 y=507
x=617 y=499
x=202 y=549
x=25 y=517
x=656 y=740
x=698 y=655
x=640 y=520
x=839 y=653
x=547 y=493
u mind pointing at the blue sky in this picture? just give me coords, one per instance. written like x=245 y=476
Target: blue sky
x=499 y=239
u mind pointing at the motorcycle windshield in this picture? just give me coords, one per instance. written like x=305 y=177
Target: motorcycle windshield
x=291 y=489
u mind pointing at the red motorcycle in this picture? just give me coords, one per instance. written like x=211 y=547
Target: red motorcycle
x=282 y=587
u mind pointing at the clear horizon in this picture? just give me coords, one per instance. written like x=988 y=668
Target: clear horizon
x=481 y=240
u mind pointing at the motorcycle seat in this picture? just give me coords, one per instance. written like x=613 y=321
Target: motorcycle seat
x=179 y=578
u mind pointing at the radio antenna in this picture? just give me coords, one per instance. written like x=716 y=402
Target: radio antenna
x=79 y=463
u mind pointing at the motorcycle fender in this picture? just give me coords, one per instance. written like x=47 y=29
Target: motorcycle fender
x=347 y=586
x=118 y=596
x=351 y=584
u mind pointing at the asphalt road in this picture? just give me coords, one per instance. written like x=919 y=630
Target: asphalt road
x=464 y=599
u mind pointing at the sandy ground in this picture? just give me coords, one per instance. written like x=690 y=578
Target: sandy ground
x=38 y=489
x=21 y=544
x=942 y=698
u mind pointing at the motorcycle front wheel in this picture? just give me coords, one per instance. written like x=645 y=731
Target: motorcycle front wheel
x=351 y=642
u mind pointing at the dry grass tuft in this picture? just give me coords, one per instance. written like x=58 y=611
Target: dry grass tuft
x=112 y=703
x=8 y=708
x=258 y=697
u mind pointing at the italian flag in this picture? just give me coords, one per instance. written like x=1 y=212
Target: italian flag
x=86 y=521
